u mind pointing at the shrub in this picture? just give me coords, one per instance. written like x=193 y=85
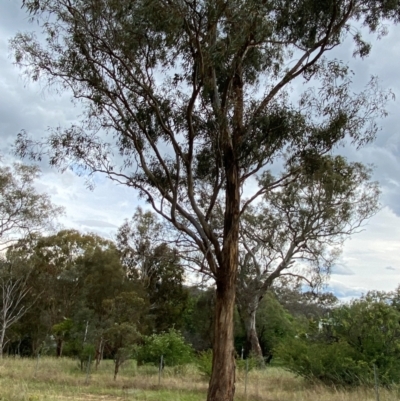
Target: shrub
x=333 y=364
x=171 y=345
x=204 y=363
x=351 y=341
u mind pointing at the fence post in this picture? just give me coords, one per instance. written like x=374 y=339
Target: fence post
x=376 y=383
x=160 y=369
x=245 y=378
x=88 y=370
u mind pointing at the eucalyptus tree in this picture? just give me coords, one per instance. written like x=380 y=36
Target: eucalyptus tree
x=297 y=232
x=146 y=253
x=13 y=291
x=23 y=211
x=187 y=101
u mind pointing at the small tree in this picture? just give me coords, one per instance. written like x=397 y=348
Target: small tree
x=171 y=345
x=122 y=333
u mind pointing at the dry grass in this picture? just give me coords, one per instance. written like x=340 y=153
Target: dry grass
x=62 y=380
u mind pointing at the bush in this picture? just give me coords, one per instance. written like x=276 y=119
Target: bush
x=332 y=364
x=348 y=344
x=171 y=345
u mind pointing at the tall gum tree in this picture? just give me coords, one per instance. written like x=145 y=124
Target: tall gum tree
x=297 y=232
x=186 y=101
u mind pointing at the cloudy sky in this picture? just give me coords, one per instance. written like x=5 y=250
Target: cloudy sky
x=370 y=259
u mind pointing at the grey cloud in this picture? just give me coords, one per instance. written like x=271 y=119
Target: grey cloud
x=342 y=270
x=342 y=291
x=390 y=268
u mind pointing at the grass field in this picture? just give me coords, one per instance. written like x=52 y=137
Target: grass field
x=53 y=379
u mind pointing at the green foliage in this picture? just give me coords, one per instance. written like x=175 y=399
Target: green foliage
x=204 y=363
x=348 y=343
x=198 y=318
x=171 y=345
x=87 y=351
x=274 y=324
x=63 y=328
x=335 y=363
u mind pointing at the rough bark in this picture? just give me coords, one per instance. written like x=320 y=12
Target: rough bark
x=222 y=381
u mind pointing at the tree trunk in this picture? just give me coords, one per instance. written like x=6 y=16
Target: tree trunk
x=2 y=336
x=116 y=367
x=222 y=381
x=99 y=352
x=59 y=350
x=247 y=303
x=253 y=347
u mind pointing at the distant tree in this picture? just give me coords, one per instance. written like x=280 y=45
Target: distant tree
x=123 y=314
x=23 y=211
x=105 y=282
x=13 y=291
x=195 y=98
x=308 y=305
x=297 y=232
x=144 y=245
